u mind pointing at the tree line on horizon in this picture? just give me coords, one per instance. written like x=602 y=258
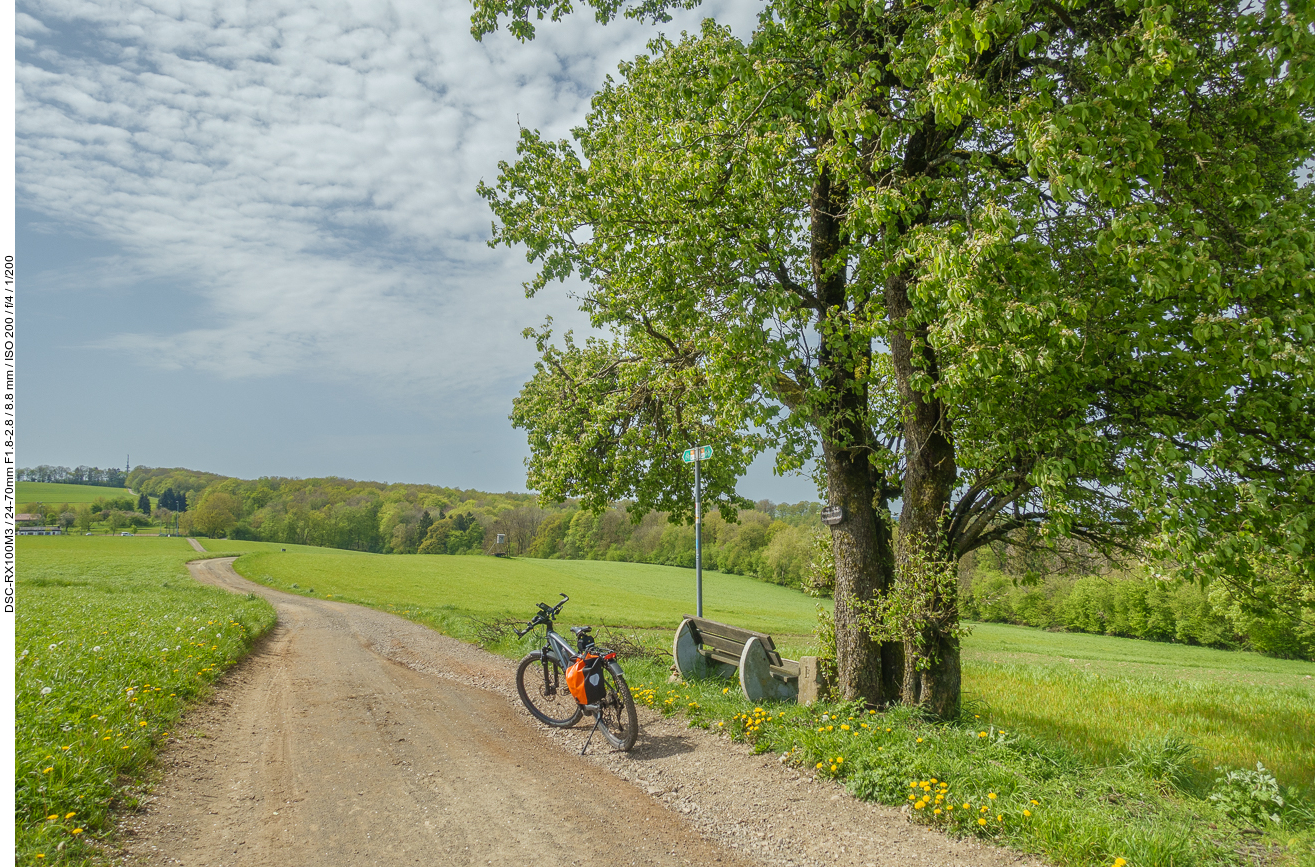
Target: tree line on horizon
x=80 y=475
x=778 y=543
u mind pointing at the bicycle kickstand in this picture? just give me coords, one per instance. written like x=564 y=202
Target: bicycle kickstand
x=598 y=718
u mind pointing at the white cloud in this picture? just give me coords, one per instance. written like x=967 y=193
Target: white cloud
x=308 y=169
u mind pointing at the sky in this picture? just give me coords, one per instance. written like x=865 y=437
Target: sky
x=249 y=239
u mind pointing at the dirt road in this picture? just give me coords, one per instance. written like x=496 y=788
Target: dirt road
x=353 y=737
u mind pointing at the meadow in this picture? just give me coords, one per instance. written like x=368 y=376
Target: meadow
x=1083 y=748
x=114 y=638
x=1095 y=695
x=52 y=493
x=634 y=595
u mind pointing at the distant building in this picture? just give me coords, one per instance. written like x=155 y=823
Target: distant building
x=40 y=531
x=26 y=516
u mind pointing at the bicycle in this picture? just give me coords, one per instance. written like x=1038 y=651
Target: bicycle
x=549 y=700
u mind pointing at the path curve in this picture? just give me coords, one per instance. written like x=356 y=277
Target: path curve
x=328 y=747
x=354 y=737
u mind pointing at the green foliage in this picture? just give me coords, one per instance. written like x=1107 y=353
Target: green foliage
x=1275 y=618
x=1249 y=796
x=921 y=605
x=113 y=639
x=1164 y=758
x=1044 y=267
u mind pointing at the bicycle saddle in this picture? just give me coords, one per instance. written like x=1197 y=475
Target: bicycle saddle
x=580 y=630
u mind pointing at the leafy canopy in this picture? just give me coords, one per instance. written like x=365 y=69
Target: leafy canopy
x=1096 y=212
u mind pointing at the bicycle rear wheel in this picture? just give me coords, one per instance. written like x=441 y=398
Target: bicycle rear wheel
x=544 y=693
x=617 y=718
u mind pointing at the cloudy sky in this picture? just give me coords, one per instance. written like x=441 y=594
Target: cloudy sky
x=249 y=240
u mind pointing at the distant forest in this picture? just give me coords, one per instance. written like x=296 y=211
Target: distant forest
x=779 y=543
x=113 y=478
x=772 y=542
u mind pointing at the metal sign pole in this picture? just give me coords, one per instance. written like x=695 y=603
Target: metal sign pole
x=698 y=540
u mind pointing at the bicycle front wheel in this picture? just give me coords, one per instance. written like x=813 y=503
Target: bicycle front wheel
x=542 y=687
x=617 y=718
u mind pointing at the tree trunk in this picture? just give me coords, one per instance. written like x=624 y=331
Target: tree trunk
x=862 y=541
x=865 y=565
x=932 y=677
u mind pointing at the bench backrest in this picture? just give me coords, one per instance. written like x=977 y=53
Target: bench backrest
x=730 y=640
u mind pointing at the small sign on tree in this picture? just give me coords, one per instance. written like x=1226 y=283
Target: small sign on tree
x=832 y=515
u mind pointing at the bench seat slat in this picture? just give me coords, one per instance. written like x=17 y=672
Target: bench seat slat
x=734 y=633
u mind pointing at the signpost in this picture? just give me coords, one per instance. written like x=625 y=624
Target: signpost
x=696 y=456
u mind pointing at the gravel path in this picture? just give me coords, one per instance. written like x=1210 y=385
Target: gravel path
x=354 y=737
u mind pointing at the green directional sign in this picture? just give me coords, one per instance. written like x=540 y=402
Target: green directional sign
x=702 y=453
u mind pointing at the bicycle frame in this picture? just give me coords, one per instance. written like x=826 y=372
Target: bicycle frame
x=559 y=650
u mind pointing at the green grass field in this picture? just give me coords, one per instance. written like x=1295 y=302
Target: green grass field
x=1083 y=725
x=55 y=494
x=113 y=639
x=629 y=594
x=1096 y=695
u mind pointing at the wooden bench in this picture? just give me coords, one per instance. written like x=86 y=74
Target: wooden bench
x=705 y=647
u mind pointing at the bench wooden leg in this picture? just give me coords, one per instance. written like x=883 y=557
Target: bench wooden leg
x=690 y=663
x=756 y=675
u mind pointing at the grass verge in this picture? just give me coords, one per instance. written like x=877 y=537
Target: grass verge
x=973 y=777
x=114 y=639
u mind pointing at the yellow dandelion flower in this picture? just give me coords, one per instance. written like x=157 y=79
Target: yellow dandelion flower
x=981 y=734
x=991 y=795
x=70 y=815
x=1119 y=862
x=1027 y=813
x=919 y=740
x=936 y=812
x=77 y=830
x=981 y=821
x=820 y=764
x=53 y=816
x=844 y=728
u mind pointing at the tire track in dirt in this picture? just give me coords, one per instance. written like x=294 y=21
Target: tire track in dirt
x=323 y=748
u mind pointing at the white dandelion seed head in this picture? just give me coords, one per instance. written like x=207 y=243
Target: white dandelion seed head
x=96 y=649
x=53 y=646
x=45 y=690
x=131 y=691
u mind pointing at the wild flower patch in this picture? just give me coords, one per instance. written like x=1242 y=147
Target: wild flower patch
x=974 y=778
x=111 y=645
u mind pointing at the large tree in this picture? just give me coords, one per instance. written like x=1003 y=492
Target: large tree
x=1027 y=271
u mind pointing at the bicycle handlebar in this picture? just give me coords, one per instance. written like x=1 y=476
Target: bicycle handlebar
x=547 y=613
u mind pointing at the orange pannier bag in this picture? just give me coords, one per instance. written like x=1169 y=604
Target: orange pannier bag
x=584 y=678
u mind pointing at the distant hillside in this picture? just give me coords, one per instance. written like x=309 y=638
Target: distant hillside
x=771 y=542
